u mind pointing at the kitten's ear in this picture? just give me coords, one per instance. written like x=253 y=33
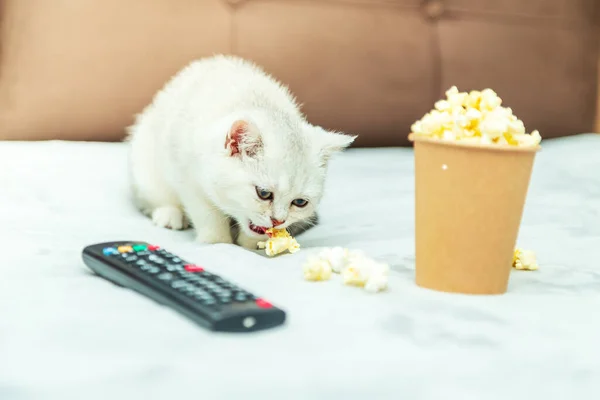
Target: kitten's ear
x=330 y=142
x=243 y=139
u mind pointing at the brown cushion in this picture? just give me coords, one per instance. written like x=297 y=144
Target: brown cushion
x=553 y=89
x=597 y=126
x=81 y=69
x=352 y=67
x=540 y=56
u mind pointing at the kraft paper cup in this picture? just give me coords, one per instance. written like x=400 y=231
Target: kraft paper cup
x=469 y=202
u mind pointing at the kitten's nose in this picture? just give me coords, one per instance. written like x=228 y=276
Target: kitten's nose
x=277 y=222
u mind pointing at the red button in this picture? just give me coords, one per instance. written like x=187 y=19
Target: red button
x=153 y=247
x=262 y=303
x=193 y=268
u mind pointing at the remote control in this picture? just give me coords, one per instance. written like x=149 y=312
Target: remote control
x=206 y=298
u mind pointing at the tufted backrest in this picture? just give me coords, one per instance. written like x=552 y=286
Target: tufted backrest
x=80 y=69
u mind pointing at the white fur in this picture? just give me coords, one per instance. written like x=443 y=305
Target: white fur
x=180 y=161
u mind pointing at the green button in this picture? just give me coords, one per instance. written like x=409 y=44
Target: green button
x=139 y=247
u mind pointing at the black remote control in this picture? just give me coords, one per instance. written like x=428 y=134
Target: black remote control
x=206 y=298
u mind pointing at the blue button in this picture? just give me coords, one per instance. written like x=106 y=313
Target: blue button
x=109 y=251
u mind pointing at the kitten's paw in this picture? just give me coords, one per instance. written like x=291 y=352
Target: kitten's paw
x=213 y=237
x=169 y=217
x=248 y=242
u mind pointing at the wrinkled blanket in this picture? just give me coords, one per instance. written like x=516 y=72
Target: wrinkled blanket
x=67 y=334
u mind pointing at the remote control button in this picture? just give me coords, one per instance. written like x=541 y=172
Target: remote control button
x=224 y=300
x=197 y=292
x=165 y=253
x=131 y=258
x=249 y=322
x=124 y=249
x=208 y=302
x=262 y=303
x=110 y=251
x=156 y=259
x=240 y=297
x=154 y=270
x=173 y=267
x=139 y=247
x=202 y=284
x=165 y=276
x=178 y=284
x=153 y=247
x=201 y=294
x=231 y=286
x=193 y=268
x=143 y=253
x=176 y=260
x=139 y=263
x=188 y=289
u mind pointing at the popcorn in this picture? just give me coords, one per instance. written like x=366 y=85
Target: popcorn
x=355 y=274
x=474 y=117
x=489 y=100
x=455 y=98
x=366 y=272
x=376 y=283
x=317 y=269
x=493 y=125
x=442 y=105
x=355 y=268
x=279 y=241
x=524 y=260
x=336 y=256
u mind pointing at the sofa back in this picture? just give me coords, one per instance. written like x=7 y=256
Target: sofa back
x=81 y=69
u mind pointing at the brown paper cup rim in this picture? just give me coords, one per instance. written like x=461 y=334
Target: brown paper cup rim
x=485 y=147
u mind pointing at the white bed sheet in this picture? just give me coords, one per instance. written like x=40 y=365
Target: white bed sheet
x=66 y=334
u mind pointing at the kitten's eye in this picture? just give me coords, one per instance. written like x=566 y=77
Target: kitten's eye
x=264 y=194
x=300 y=202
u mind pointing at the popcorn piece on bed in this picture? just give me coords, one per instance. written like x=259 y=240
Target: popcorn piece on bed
x=316 y=269
x=354 y=266
x=365 y=272
x=355 y=275
x=279 y=241
x=376 y=283
x=336 y=256
x=524 y=260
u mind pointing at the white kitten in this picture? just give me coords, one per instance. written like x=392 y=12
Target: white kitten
x=223 y=140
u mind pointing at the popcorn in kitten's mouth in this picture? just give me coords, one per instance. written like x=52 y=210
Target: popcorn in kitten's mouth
x=279 y=241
